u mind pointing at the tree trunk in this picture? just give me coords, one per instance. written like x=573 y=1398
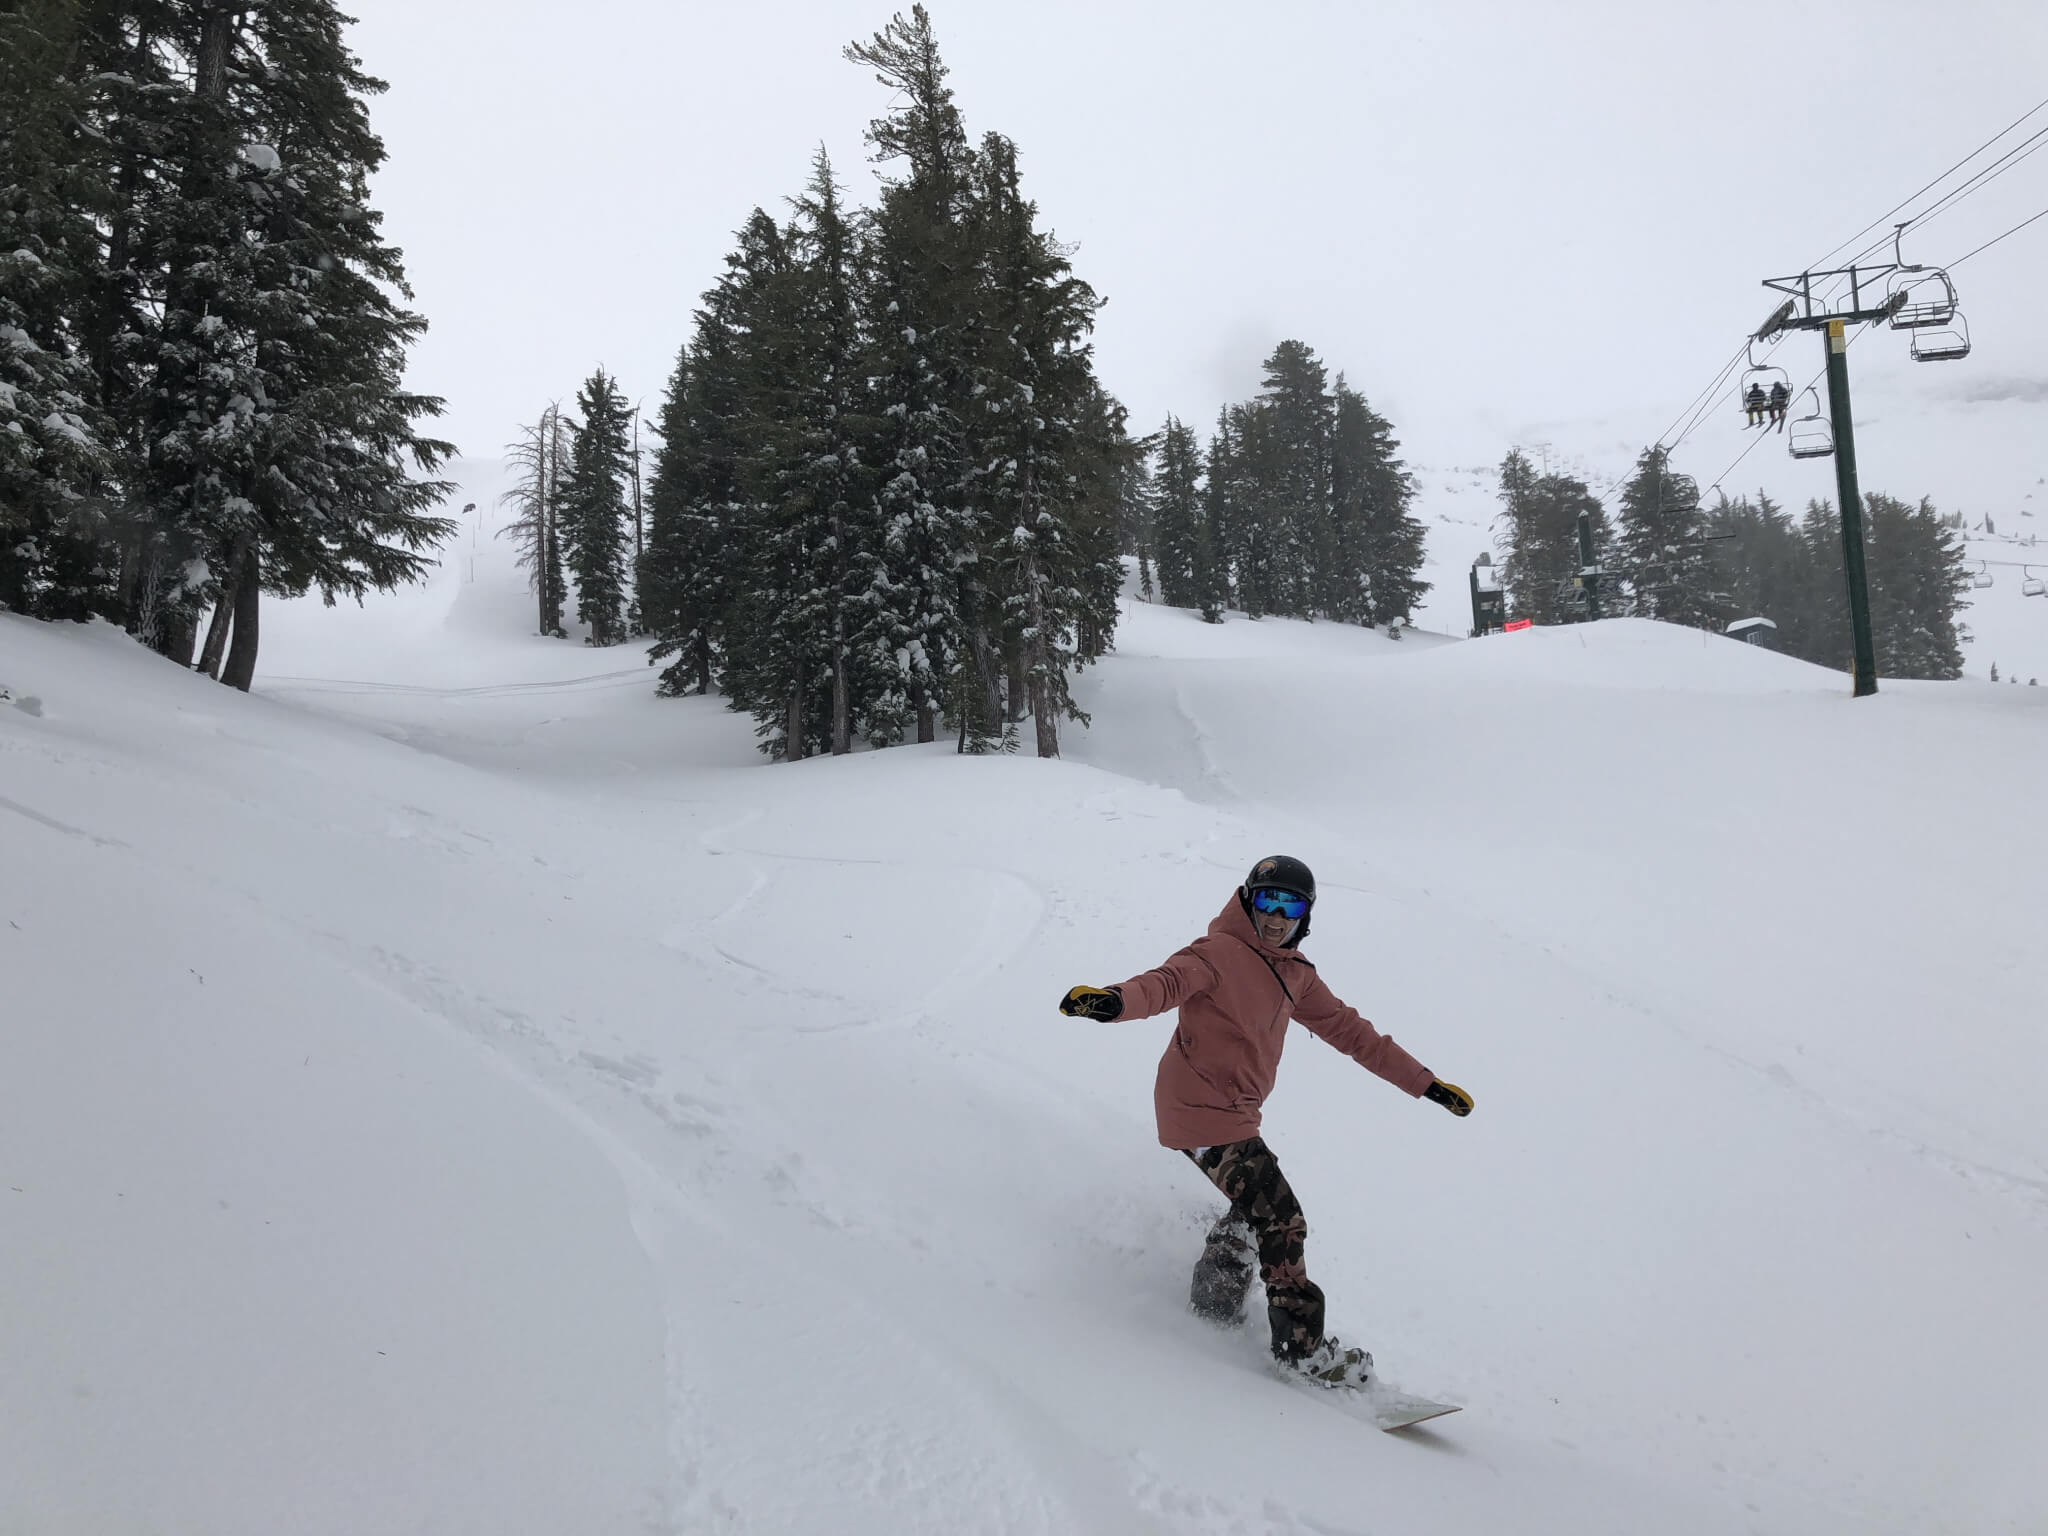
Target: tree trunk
x=223 y=609
x=180 y=634
x=842 y=721
x=1020 y=697
x=1039 y=662
x=927 y=722
x=240 y=670
x=793 y=728
x=214 y=35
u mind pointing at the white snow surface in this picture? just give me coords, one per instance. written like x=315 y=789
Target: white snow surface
x=455 y=1090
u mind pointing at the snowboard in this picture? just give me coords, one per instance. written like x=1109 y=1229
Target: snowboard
x=1376 y=1403
x=1397 y=1410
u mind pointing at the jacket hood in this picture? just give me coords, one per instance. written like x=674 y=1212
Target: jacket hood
x=1235 y=922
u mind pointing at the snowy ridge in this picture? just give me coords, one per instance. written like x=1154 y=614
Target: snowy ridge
x=470 y=1093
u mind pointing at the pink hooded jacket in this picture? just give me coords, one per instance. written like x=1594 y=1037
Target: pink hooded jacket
x=1236 y=993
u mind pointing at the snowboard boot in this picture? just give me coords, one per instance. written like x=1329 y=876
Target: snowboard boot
x=1223 y=1275
x=1330 y=1364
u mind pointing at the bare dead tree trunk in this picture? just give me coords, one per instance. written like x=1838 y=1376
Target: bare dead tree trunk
x=240 y=670
x=224 y=609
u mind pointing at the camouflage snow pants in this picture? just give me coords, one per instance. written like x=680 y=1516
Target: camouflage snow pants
x=1264 y=1215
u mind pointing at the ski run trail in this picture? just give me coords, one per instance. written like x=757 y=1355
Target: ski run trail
x=453 y=1090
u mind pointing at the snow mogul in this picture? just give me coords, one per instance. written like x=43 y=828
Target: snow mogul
x=1236 y=987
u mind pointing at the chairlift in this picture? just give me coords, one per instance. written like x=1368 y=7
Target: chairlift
x=1812 y=436
x=2030 y=584
x=1922 y=300
x=1980 y=579
x=1945 y=343
x=1754 y=392
x=1922 y=297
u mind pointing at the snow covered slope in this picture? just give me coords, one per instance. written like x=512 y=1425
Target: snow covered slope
x=453 y=1089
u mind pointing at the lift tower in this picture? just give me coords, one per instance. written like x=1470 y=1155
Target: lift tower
x=1866 y=299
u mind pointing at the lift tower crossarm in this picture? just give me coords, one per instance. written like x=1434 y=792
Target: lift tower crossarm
x=1803 y=311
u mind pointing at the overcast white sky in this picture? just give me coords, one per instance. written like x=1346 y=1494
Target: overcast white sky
x=1507 y=222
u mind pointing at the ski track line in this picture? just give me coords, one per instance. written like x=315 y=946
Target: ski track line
x=64 y=827
x=660 y=1215
x=1205 y=745
x=424 y=690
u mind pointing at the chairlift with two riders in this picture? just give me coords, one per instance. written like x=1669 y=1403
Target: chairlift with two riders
x=1764 y=389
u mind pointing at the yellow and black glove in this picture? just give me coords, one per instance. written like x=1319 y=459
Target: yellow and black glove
x=1091 y=1003
x=1451 y=1096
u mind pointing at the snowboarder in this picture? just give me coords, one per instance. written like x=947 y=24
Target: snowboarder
x=1236 y=988
x=1756 y=402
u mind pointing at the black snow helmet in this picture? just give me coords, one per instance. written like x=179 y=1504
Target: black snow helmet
x=1281 y=873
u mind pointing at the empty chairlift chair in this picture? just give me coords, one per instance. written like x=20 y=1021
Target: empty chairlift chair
x=2032 y=585
x=1944 y=343
x=1923 y=301
x=1810 y=435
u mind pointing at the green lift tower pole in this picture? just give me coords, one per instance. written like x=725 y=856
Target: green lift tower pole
x=1831 y=312
x=1852 y=509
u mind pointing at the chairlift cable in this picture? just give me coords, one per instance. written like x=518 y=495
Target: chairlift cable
x=1713 y=384
x=1983 y=178
x=2023 y=223
x=1944 y=176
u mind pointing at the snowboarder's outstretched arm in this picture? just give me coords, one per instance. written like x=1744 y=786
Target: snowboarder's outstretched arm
x=1321 y=1012
x=1183 y=974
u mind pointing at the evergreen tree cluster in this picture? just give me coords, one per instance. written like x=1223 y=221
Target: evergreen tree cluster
x=1300 y=506
x=889 y=486
x=202 y=332
x=1791 y=573
x=1671 y=558
x=1540 y=546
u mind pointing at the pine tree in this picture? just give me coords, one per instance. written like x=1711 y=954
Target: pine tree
x=1179 y=519
x=1030 y=438
x=1918 y=582
x=681 y=574
x=1663 y=554
x=56 y=459
x=593 y=508
x=279 y=445
x=1541 y=546
x=1297 y=419
x=1376 y=543
x=540 y=459
x=832 y=478
x=918 y=303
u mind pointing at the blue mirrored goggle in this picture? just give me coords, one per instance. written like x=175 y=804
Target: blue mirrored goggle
x=1285 y=903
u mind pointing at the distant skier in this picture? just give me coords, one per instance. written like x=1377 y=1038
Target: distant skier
x=1781 y=397
x=1756 y=402
x=1236 y=988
